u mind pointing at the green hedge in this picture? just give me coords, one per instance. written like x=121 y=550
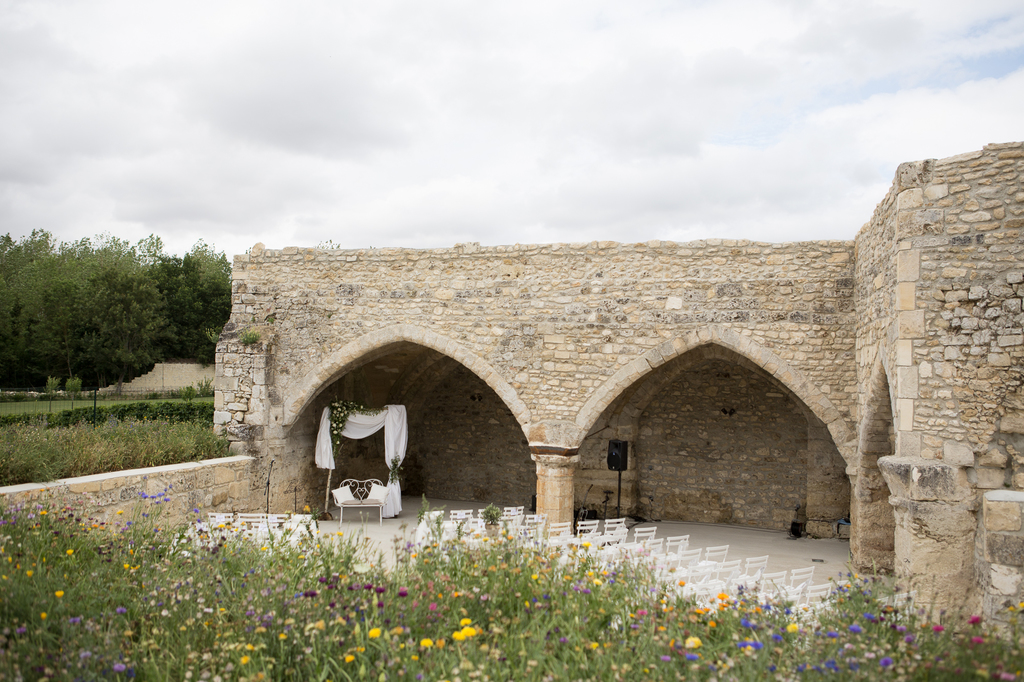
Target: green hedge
x=173 y=412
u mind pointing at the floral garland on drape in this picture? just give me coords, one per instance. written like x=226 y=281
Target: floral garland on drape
x=340 y=410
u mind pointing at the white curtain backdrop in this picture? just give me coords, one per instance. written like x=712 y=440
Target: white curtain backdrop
x=396 y=438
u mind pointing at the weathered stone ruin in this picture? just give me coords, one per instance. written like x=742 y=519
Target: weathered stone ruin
x=878 y=378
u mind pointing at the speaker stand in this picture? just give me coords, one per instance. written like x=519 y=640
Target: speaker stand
x=618 y=499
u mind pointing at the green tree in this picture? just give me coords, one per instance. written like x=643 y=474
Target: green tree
x=197 y=291
x=125 y=322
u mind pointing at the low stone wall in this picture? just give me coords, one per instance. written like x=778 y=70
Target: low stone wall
x=211 y=485
x=1002 y=574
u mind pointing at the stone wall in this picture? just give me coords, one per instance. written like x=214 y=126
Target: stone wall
x=168 y=376
x=212 y=485
x=901 y=350
x=1001 y=555
x=942 y=320
x=720 y=445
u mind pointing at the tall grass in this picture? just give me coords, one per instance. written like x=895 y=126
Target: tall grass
x=31 y=453
x=87 y=600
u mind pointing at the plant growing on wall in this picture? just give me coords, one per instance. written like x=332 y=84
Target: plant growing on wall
x=340 y=410
x=394 y=470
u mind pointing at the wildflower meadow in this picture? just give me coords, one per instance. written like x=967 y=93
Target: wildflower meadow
x=82 y=599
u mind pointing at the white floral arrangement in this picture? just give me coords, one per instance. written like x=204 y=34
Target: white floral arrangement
x=340 y=410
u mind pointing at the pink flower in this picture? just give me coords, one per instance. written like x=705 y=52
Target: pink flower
x=433 y=606
x=937 y=628
x=974 y=620
x=977 y=640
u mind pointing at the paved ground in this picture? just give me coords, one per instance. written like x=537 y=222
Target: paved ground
x=830 y=557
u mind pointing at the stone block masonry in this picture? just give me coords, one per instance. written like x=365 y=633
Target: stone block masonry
x=878 y=377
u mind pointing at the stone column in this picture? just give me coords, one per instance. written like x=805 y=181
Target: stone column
x=555 y=470
x=935 y=531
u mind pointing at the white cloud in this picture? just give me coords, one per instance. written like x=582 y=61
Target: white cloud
x=421 y=125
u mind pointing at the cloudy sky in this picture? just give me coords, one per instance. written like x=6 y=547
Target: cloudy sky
x=425 y=124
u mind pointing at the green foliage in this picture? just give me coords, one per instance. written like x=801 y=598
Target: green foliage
x=188 y=394
x=32 y=453
x=205 y=388
x=249 y=337
x=104 y=308
x=74 y=387
x=172 y=412
x=162 y=602
x=340 y=410
x=491 y=515
x=52 y=385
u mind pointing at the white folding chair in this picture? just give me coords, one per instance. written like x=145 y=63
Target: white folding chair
x=677 y=544
x=587 y=529
x=690 y=557
x=727 y=570
x=560 y=534
x=801 y=575
x=514 y=511
x=460 y=514
x=816 y=593
x=716 y=554
x=642 y=534
x=770 y=582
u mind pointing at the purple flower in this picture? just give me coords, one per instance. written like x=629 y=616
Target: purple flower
x=885 y=662
x=75 y=620
x=119 y=667
x=777 y=637
x=120 y=609
x=856 y=629
x=692 y=657
x=871 y=617
x=563 y=640
x=908 y=639
x=21 y=630
x=666 y=658
x=832 y=634
x=381 y=589
x=85 y=654
x=402 y=592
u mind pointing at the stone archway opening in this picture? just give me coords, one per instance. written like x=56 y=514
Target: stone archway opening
x=872 y=540
x=715 y=438
x=464 y=442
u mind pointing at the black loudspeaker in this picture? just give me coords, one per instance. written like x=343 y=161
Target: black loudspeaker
x=618 y=455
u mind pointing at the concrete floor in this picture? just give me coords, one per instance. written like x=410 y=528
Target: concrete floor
x=830 y=557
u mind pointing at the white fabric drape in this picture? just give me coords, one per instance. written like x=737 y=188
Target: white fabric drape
x=324 y=451
x=396 y=438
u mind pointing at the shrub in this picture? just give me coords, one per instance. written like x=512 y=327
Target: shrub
x=250 y=337
x=74 y=387
x=173 y=412
x=32 y=453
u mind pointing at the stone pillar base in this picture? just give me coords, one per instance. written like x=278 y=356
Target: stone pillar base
x=555 y=471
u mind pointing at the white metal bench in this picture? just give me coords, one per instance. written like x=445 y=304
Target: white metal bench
x=356 y=493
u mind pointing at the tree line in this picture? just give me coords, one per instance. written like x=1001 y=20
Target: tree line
x=103 y=310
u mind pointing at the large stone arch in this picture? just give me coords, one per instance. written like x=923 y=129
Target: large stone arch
x=796 y=454
x=794 y=381
x=872 y=538
x=376 y=343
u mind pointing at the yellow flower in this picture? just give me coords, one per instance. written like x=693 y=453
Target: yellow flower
x=466 y=621
x=693 y=643
x=120 y=511
x=458 y=636
x=43 y=615
x=350 y=658
x=792 y=627
x=282 y=636
x=70 y=552
x=594 y=645
x=723 y=596
x=59 y=593
x=469 y=632
x=415 y=657
x=245 y=659
x=28 y=573
x=426 y=643
x=374 y=633
x=249 y=647
x=126 y=567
